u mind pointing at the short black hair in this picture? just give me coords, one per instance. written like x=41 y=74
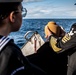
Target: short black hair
x=73 y=26
x=6 y=8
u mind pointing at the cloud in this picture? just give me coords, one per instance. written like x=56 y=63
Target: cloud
x=31 y=0
x=43 y=10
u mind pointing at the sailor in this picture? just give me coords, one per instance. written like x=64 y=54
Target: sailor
x=55 y=29
x=12 y=61
x=67 y=44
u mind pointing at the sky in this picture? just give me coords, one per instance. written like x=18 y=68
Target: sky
x=50 y=9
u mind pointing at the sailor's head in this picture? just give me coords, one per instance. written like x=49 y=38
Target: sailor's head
x=7 y=6
x=11 y=13
x=54 y=28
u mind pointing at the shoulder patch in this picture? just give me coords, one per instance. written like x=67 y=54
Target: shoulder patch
x=66 y=38
x=53 y=42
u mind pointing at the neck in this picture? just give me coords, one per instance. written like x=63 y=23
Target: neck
x=4 y=33
x=4 y=30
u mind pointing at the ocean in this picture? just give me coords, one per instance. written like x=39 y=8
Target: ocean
x=37 y=25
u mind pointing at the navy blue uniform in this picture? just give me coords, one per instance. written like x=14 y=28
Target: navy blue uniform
x=67 y=44
x=12 y=61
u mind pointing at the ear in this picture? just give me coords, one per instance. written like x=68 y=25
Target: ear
x=12 y=17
